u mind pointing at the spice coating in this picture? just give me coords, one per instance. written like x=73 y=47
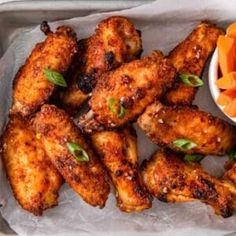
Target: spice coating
x=115 y=41
x=88 y=179
x=170 y=179
x=189 y=57
x=31 y=89
x=35 y=182
x=210 y=134
x=118 y=152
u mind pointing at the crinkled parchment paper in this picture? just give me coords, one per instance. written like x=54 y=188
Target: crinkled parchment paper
x=163 y=23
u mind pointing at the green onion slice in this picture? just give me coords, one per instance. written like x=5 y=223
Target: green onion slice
x=191 y=80
x=193 y=157
x=184 y=144
x=232 y=155
x=77 y=152
x=55 y=77
x=116 y=108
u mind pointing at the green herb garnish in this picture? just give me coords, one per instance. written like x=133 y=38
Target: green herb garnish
x=191 y=80
x=116 y=108
x=184 y=144
x=193 y=157
x=78 y=152
x=55 y=77
x=232 y=155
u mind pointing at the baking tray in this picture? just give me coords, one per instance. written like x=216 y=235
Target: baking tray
x=27 y=14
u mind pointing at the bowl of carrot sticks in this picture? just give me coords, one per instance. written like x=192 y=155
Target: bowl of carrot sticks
x=222 y=73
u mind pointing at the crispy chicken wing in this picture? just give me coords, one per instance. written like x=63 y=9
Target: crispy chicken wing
x=164 y=125
x=88 y=178
x=118 y=151
x=170 y=179
x=31 y=89
x=189 y=57
x=229 y=180
x=115 y=42
x=34 y=180
x=121 y=95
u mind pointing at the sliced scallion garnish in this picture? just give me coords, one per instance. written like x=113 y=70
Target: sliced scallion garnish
x=193 y=157
x=184 y=144
x=77 y=152
x=116 y=107
x=232 y=155
x=55 y=77
x=191 y=80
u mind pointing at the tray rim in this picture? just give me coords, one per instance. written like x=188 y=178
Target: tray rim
x=73 y=5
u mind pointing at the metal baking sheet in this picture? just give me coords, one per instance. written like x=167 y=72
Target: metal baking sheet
x=27 y=14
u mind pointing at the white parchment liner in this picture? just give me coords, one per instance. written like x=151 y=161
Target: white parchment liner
x=163 y=23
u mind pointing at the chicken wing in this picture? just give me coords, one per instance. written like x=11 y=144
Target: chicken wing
x=115 y=42
x=121 y=95
x=58 y=133
x=207 y=134
x=229 y=180
x=35 y=182
x=189 y=57
x=31 y=88
x=118 y=152
x=170 y=179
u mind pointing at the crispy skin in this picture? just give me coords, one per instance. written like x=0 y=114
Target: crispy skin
x=170 y=179
x=55 y=128
x=31 y=89
x=35 y=182
x=163 y=125
x=133 y=85
x=118 y=151
x=189 y=57
x=229 y=180
x=114 y=42
x=230 y=174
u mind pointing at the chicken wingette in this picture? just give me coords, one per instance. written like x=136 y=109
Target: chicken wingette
x=35 y=182
x=71 y=155
x=118 y=152
x=170 y=179
x=229 y=180
x=31 y=87
x=121 y=95
x=114 y=42
x=189 y=57
x=186 y=129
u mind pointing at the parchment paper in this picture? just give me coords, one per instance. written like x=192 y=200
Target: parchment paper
x=163 y=23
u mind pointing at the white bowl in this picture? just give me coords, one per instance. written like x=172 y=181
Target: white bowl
x=212 y=77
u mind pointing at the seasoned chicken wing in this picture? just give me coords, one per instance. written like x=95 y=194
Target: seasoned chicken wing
x=118 y=152
x=121 y=95
x=35 y=182
x=189 y=57
x=71 y=155
x=170 y=179
x=229 y=180
x=187 y=129
x=115 y=42
x=31 y=88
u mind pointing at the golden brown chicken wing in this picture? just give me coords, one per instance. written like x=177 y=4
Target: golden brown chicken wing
x=115 y=42
x=170 y=179
x=118 y=152
x=229 y=180
x=121 y=95
x=71 y=155
x=31 y=88
x=34 y=180
x=189 y=57
x=230 y=173
x=187 y=129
